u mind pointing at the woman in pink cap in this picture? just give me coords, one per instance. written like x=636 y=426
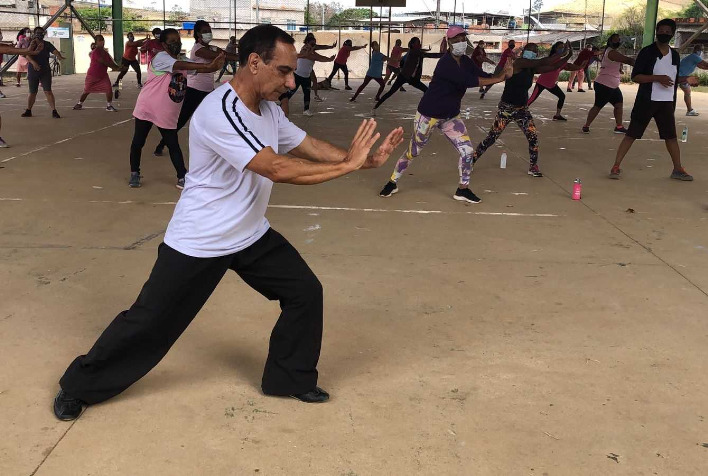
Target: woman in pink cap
x=440 y=107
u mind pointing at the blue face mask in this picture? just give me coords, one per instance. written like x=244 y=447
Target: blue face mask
x=528 y=54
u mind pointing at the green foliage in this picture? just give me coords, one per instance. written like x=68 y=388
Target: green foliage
x=100 y=21
x=349 y=15
x=693 y=10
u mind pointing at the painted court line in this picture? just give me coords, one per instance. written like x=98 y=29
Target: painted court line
x=342 y=209
x=66 y=140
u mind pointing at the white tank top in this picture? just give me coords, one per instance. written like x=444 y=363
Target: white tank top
x=304 y=67
x=610 y=71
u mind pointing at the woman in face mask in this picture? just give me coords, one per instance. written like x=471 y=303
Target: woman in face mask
x=161 y=99
x=23 y=41
x=607 y=84
x=440 y=108
x=549 y=80
x=199 y=85
x=513 y=105
x=40 y=72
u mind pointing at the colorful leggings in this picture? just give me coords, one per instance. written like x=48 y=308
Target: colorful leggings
x=455 y=131
x=505 y=115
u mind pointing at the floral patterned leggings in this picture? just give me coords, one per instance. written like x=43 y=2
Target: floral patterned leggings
x=454 y=130
x=506 y=114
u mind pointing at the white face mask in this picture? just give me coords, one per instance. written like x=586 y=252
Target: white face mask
x=459 y=49
x=206 y=37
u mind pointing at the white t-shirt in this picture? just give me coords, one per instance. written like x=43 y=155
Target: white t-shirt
x=304 y=67
x=223 y=205
x=664 y=66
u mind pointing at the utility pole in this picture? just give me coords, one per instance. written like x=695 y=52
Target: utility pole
x=437 y=16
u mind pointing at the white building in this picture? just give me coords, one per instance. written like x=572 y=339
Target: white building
x=246 y=13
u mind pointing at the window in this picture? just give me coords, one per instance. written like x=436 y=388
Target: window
x=291 y=25
x=265 y=21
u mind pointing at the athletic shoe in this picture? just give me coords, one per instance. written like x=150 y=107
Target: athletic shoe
x=403 y=90
x=693 y=113
x=307 y=113
x=115 y=85
x=111 y=108
x=116 y=94
x=534 y=172
x=180 y=184
x=620 y=130
x=55 y=114
x=313 y=396
x=27 y=113
x=134 y=180
x=3 y=144
x=615 y=172
x=466 y=195
x=158 y=152
x=66 y=407
x=581 y=90
x=78 y=107
x=2 y=96
x=389 y=189
x=681 y=174
x=352 y=100
x=568 y=90
x=558 y=117
x=481 y=96
x=18 y=85
x=586 y=130
x=348 y=88
x=140 y=86
x=318 y=99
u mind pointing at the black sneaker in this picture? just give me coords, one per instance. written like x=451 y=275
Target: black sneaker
x=27 y=113
x=348 y=88
x=180 y=184
x=466 y=195
x=558 y=117
x=389 y=189
x=66 y=407
x=158 y=152
x=620 y=130
x=116 y=94
x=586 y=130
x=55 y=114
x=134 y=180
x=403 y=90
x=313 y=396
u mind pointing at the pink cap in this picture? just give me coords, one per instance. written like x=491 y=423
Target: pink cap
x=453 y=31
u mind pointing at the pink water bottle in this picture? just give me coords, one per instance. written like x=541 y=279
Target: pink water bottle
x=577 y=188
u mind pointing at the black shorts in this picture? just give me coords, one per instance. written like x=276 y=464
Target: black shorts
x=394 y=69
x=605 y=94
x=126 y=63
x=663 y=114
x=34 y=78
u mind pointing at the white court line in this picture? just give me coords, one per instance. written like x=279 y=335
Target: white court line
x=65 y=140
x=343 y=209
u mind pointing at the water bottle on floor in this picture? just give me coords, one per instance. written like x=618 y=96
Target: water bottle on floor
x=684 y=134
x=577 y=189
x=502 y=163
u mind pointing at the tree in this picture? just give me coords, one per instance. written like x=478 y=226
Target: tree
x=537 y=5
x=313 y=16
x=350 y=15
x=101 y=21
x=694 y=11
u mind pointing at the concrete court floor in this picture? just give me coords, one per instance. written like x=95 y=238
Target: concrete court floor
x=526 y=335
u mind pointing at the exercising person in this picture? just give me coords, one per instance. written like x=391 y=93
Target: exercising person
x=375 y=71
x=313 y=76
x=231 y=49
x=440 y=108
x=583 y=58
x=549 y=80
x=656 y=70
x=199 y=84
x=40 y=72
x=508 y=54
x=513 y=105
x=240 y=144
x=411 y=70
x=686 y=68
x=30 y=50
x=393 y=65
x=340 y=62
x=130 y=59
x=479 y=56
x=607 y=84
x=97 y=80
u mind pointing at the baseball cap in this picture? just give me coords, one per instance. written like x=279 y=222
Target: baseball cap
x=453 y=31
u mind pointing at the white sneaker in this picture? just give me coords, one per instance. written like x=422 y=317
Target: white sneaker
x=693 y=113
x=111 y=109
x=2 y=96
x=3 y=144
x=308 y=113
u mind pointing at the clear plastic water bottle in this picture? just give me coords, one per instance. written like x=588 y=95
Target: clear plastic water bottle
x=577 y=189
x=502 y=163
x=120 y=85
x=684 y=134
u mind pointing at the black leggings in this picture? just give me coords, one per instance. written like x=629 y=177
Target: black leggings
x=125 y=64
x=400 y=81
x=344 y=69
x=192 y=99
x=555 y=90
x=142 y=129
x=306 y=84
x=176 y=290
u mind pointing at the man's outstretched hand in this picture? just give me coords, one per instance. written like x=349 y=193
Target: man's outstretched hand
x=362 y=143
x=393 y=140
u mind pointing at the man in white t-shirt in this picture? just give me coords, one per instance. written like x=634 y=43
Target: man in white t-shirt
x=240 y=143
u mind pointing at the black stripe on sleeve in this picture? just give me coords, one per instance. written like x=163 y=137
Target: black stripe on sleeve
x=233 y=124
x=244 y=125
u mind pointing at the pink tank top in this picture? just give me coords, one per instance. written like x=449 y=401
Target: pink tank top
x=610 y=72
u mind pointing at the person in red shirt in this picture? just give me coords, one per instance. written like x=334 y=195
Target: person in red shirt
x=340 y=62
x=508 y=53
x=97 y=80
x=130 y=59
x=154 y=46
x=583 y=58
x=479 y=56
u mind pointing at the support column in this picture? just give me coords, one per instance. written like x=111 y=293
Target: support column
x=650 y=22
x=117 y=29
